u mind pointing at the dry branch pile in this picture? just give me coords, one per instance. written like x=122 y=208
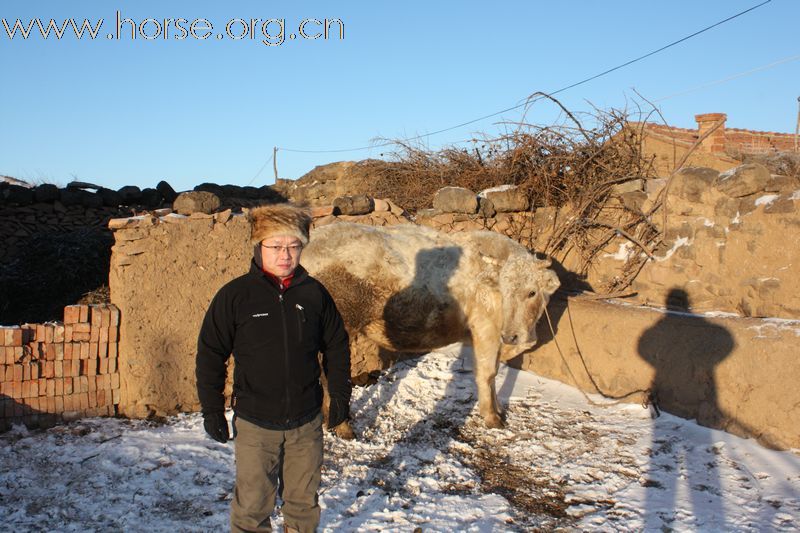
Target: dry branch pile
x=570 y=167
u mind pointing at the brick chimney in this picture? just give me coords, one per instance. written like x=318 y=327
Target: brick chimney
x=715 y=142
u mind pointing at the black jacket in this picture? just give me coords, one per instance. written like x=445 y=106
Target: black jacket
x=274 y=337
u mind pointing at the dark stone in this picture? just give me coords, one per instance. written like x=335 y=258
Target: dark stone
x=90 y=199
x=744 y=180
x=212 y=188
x=82 y=185
x=19 y=195
x=131 y=194
x=73 y=196
x=359 y=204
x=151 y=198
x=46 y=193
x=110 y=198
x=250 y=192
x=167 y=192
x=691 y=182
x=196 y=202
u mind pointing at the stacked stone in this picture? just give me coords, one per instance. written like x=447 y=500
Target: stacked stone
x=60 y=371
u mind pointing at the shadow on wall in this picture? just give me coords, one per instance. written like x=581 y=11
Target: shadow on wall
x=684 y=352
x=13 y=411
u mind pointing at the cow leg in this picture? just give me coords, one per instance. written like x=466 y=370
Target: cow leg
x=486 y=364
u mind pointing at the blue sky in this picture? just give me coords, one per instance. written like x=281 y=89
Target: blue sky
x=118 y=112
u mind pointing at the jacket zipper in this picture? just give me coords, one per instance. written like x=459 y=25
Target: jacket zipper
x=286 y=355
x=301 y=318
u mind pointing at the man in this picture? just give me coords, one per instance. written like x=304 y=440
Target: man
x=274 y=320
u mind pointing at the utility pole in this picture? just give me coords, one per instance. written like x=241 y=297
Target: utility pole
x=797 y=127
x=275 y=160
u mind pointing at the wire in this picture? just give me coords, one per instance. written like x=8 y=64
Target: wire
x=261 y=169
x=529 y=100
x=730 y=78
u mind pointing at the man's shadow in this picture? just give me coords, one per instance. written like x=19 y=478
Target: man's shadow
x=684 y=350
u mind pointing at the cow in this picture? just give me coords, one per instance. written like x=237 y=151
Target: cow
x=410 y=288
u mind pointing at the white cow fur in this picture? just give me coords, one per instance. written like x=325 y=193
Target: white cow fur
x=411 y=288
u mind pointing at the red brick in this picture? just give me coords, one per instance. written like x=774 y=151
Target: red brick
x=84 y=400
x=102 y=349
x=84 y=350
x=112 y=365
x=72 y=314
x=26 y=372
x=49 y=332
x=81 y=327
x=9 y=377
x=26 y=389
x=92 y=350
x=68 y=401
x=113 y=334
x=59 y=348
x=94 y=334
x=103 y=338
x=92 y=383
x=51 y=387
x=8 y=355
x=58 y=333
x=58 y=370
x=104 y=382
x=102 y=365
x=81 y=337
x=13 y=336
x=68 y=333
x=68 y=388
x=16 y=389
x=115 y=381
x=92 y=399
x=59 y=386
x=101 y=397
x=5 y=390
x=51 y=405
x=18 y=373
x=59 y=404
x=50 y=352
x=83 y=384
x=35 y=389
x=76 y=368
x=49 y=369
x=40 y=334
x=42 y=382
x=67 y=350
x=113 y=350
x=36 y=350
x=84 y=316
x=35 y=371
x=114 y=312
x=33 y=405
x=96 y=312
x=115 y=396
x=106 y=313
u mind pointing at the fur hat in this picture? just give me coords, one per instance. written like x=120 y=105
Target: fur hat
x=277 y=220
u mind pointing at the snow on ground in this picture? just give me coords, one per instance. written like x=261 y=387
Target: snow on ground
x=422 y=460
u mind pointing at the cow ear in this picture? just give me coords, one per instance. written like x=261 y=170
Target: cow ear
x=550 y=282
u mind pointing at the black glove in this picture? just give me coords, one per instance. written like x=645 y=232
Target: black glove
x=338 y=412
x=216 y=426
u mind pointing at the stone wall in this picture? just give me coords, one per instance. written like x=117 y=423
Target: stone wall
x=60 y=370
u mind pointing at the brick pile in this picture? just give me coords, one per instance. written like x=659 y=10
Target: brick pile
x=60 y=370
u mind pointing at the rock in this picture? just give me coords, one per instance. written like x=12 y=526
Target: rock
x=321 y=211
x=19 y=195
x=82 y=185
x=654 y=185
x=396 y=209
x=634 y=185
x=110 y=198
x=151 y=198
x=780 y=205
x=46 y=192
x=360 y=204
x=455 y=200
x=690 y=183
x=131 y=194
x=72 y=197
x=196 y=202
x=781 y=184
x=506 y=198
x=90 y=199
x=633 y=200
x=380 y=206
x=486 y=208
x=743 y=180
x=167 y=192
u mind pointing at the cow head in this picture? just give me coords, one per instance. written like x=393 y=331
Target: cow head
x=526 y=284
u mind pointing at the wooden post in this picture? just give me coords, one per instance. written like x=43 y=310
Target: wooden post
x=797 y=127
x=275 y=162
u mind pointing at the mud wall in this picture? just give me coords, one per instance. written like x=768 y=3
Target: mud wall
x=60 y=370
x=732 y=373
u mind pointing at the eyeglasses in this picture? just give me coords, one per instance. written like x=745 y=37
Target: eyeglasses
x=293 y=249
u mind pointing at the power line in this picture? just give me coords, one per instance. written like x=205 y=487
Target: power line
x=529 y=100
x=261 y=169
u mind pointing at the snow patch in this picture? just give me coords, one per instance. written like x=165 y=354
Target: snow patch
x=680 y=241
x=766 y=199
x=499 y=188
x=623 y=253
